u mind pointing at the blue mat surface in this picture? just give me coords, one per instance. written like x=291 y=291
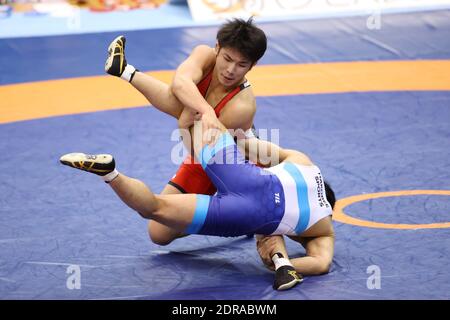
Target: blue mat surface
x=52 y=217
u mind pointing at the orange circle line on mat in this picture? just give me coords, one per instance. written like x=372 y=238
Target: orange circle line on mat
x=341 y=216
x=42 y=99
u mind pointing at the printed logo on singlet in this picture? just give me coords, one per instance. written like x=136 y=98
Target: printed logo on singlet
x=321 y=192
x=277 y=198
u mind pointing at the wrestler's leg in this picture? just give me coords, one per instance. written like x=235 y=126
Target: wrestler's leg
x=175 y=211
x=272 y=250
x=267 y=246
x=157 y=92
x=160 y=233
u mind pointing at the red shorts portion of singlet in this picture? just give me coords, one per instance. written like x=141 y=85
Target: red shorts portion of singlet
x=191 y=178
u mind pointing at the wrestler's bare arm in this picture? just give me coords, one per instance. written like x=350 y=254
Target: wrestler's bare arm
x=319 y=255
x=269 y=154
x=237 y=117
x=188 y=75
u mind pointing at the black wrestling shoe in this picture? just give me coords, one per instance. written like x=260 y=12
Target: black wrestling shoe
x=115 y=63
x=100 y=164
x=286 y=277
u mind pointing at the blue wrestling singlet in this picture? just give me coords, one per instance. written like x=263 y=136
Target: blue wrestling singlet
x=284 y=199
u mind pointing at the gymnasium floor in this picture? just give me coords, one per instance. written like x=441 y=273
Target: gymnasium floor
x=371 y=108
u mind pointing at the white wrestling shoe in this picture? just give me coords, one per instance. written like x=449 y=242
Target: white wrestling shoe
x=100 y=164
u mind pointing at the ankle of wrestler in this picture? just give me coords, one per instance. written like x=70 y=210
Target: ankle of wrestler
x=279 y=260
x=128 y=73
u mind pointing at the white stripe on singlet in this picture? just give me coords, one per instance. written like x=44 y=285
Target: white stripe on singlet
x=319 y=207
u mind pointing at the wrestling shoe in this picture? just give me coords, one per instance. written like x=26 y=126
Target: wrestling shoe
x=286 y=277
x=100 y=164
x=116 y=63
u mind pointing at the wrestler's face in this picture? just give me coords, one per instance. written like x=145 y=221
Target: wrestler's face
x=231 y=66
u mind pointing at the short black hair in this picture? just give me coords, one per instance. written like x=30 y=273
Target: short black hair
x=243 y=36
x=330 y=194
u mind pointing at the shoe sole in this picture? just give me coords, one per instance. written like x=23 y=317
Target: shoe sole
x=289 y=285
x=80 y=161
x=86 y=166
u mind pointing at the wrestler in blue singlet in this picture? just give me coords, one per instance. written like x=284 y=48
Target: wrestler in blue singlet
x=285 y=199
